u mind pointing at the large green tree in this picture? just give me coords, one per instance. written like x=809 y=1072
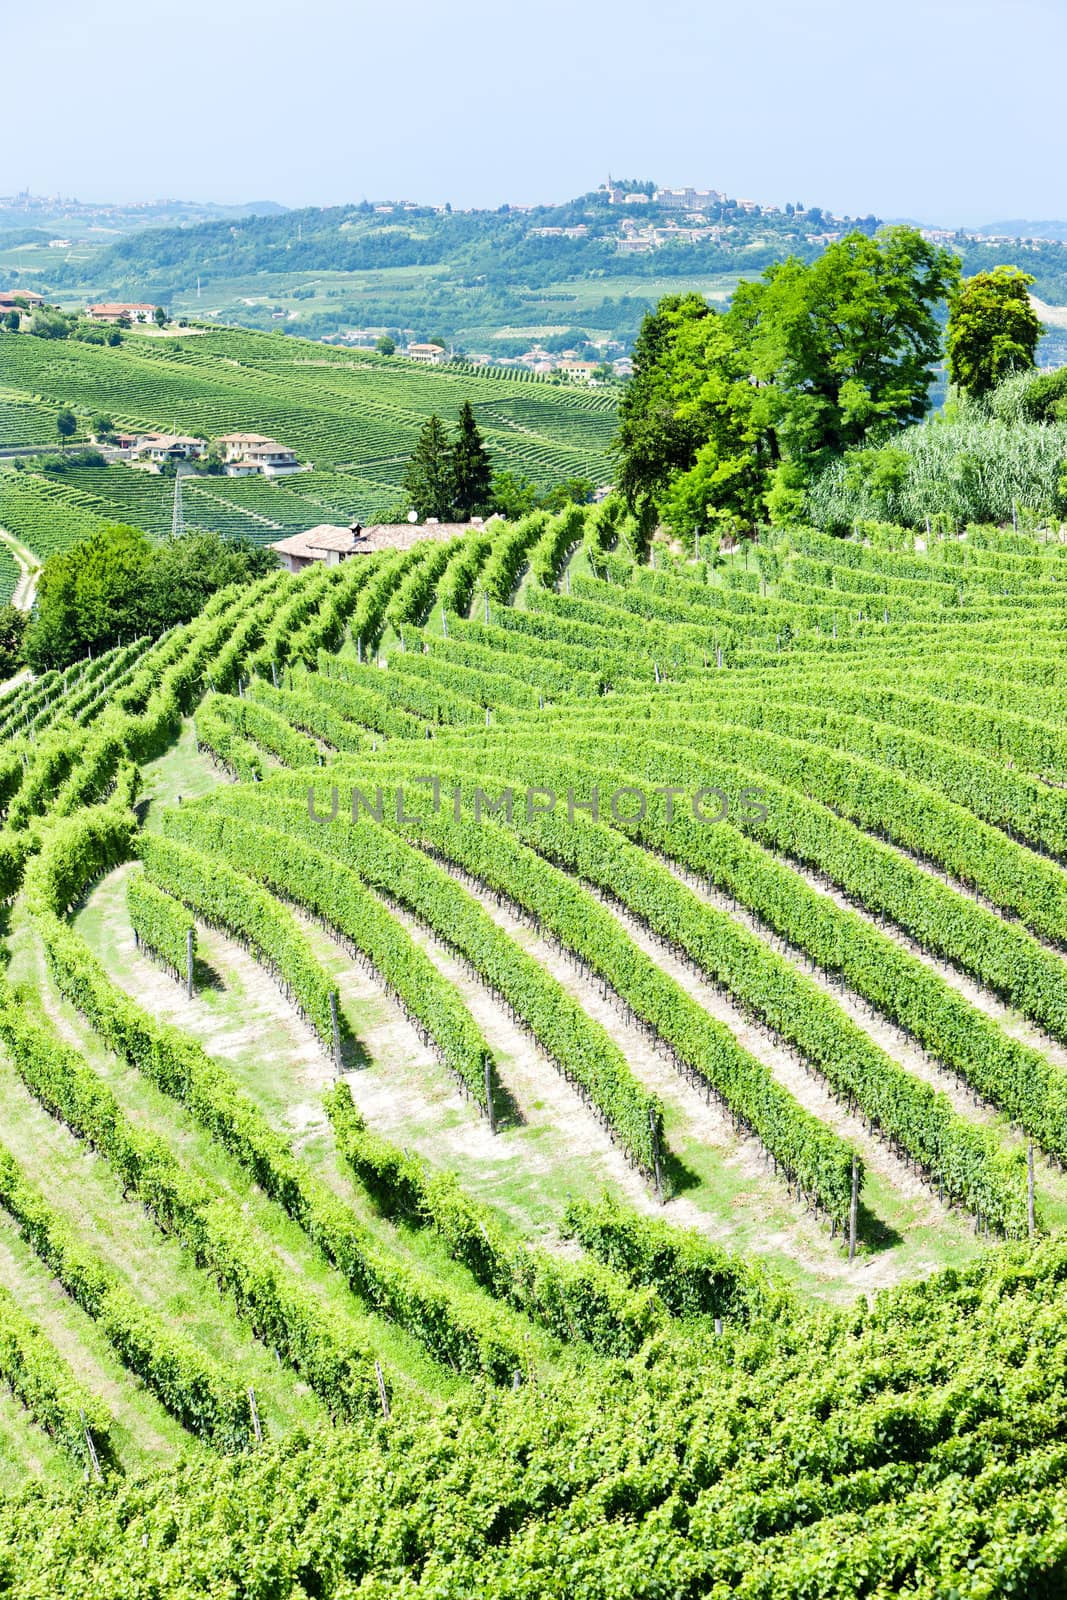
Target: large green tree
x=118 y=584
x=659 y=434
x=472 y=470
x=88 y=594
x=428 y=479
x=568 y=492
x=696 y=433
x=12 y=633
x=727 y=415
x=850 y=343
x=992 y=329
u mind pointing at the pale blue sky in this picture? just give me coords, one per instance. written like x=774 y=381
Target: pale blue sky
x=939 y=109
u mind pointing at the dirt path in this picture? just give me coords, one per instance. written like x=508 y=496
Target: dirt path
x=1013 y=1022
x=29 y=567
x=558 y=1131
x=786 y=1231
x=241 y=1017
x=239 y=1014
x=896 y=1044
x=933 y=869
x=707 y=1122
x=84 y=1347
x=16 y=682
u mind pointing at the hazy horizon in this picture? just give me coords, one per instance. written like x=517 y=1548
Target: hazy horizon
x=930 y=111
x=248 y=202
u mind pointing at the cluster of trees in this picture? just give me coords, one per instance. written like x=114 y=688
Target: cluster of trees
x=48 y=322
x=451 y=477
x=515 y=496
x=87 y=456
x=731 y=415
x=994 y=455
x=118 y=584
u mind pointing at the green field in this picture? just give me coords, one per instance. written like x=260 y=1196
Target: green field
x=397 y=297
x=476 y=315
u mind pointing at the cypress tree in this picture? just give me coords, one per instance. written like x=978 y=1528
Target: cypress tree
x=428 y=480
x=472 y=471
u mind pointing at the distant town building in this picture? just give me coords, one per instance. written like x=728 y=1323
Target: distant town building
x=245 y=454
x=627 y=197
x=16 y=299
x=580 y=371
x=689 y=199
x=112 y=311
x=431 y=355
x=168 y=448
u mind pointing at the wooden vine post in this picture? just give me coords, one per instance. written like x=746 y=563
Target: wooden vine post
x=854 y=1209
x=336 y=1027
x=189 y=962
x=655 y=1152
x=254 y=1409
x=94 y=1459
x=489 y=1094
x=1031 y=1218
x=382 y=1395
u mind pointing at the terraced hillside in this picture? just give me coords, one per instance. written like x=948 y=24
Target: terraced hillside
x=354 y=416
x=535 y=1067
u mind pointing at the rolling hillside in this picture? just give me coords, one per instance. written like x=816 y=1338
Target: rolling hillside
x=353 y=417
x=533 y=1067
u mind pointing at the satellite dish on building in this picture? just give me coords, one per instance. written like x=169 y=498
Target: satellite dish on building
x=413 y=516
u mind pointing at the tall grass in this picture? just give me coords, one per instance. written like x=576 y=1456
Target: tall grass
x=973 y=468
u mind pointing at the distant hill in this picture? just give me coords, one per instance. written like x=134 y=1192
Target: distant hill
x=23 y=217
x=1022 y=229
x=576 y=277
x=488 y=281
